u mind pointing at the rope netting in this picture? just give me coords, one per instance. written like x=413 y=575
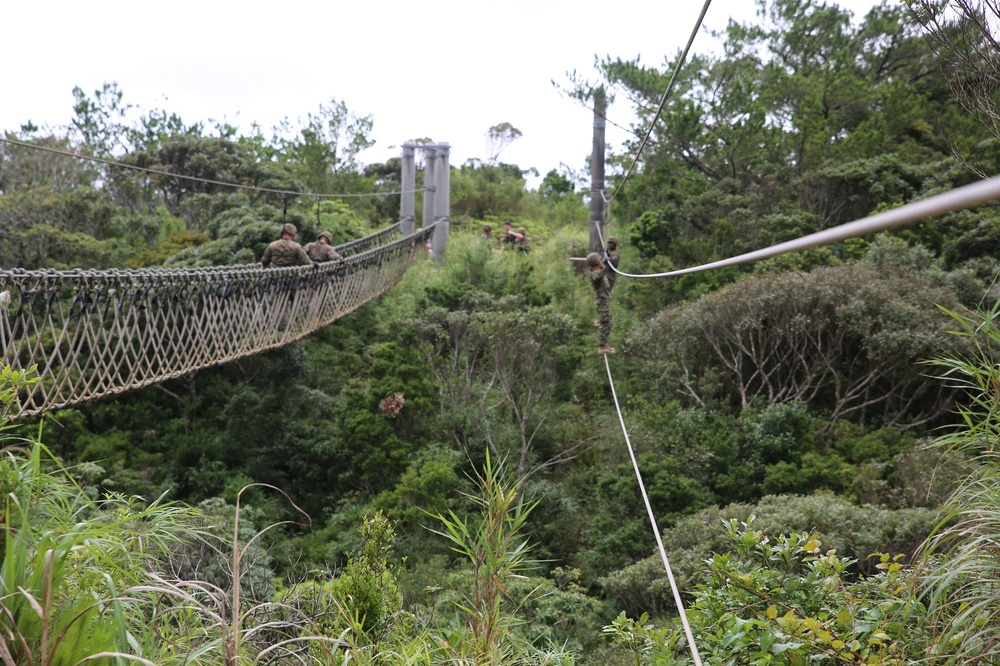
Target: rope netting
x=96 y=333
x=377 y=239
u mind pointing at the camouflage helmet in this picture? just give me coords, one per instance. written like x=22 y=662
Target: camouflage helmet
x=593 y=259
x=522 y=231
x=327 y=235
x=289 y=228
x=487 y=227
x=612 y=242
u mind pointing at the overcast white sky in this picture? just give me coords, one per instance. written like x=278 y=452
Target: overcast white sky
x=445 y=69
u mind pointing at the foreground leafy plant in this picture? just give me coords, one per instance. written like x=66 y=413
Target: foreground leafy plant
x=782 y=600
x=496 y=553
x=65 y=556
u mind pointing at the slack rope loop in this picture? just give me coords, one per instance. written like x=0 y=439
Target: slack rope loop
x=960 y=198
x=97 y=333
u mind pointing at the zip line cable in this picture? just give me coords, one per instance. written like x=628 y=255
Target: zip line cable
x=652 y=521
x=960 y=198
x=208 y=181
x=663 y=99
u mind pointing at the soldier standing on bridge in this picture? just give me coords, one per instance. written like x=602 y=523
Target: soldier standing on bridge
x=285 y=251
x=321 y=250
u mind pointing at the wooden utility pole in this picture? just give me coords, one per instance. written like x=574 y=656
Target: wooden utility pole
x=597 y=171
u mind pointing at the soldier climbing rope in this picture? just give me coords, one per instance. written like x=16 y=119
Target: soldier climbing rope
x=97 y=333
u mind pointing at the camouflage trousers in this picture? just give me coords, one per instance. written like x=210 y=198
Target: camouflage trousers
x=604 y=318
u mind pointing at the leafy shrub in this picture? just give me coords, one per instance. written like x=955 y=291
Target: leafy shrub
x=852 y=530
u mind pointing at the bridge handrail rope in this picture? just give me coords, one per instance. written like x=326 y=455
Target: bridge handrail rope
x=359 y=245
x=95 y=333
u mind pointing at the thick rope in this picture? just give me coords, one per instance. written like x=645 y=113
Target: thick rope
x=97 y=333
x=960 y=198
x=652 y=521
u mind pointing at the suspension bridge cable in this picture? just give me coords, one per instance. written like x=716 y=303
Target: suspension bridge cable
x=158 y=172
x=663 y=99
x=652 y=521
x=961 y=198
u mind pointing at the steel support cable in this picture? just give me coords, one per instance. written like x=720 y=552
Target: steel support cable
x=961 y=198
x=652 y=521
x=663 y=99
x=373 y=240
x=208 y=181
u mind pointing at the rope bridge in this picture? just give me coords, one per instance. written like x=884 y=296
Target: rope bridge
x=96 y=333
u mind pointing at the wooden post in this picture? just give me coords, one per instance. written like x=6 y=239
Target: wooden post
x=407 y=202
x=597 y=171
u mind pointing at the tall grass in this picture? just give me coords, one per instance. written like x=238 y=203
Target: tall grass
x=497 y=553
x=962 y=583
x=80 y=579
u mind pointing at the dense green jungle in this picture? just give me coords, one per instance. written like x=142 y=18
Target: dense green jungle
x=440 y=477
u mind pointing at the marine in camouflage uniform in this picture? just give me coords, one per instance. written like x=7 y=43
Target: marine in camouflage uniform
x=521 y=242
x=602 y=296
x=321 y=250
x=285 y=251
x=612 y=260
x=509 y=238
